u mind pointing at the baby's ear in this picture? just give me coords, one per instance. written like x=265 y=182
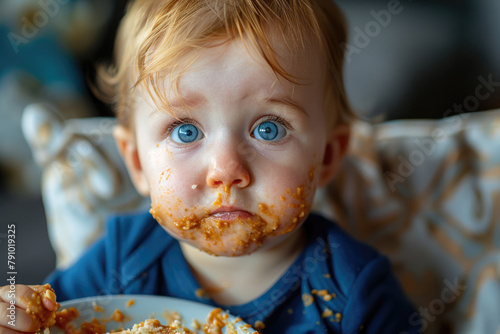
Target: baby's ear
x=335 y=150
x=127 y=146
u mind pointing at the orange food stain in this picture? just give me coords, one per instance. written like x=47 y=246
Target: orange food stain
x=227 y=191
x=218 y=201
x=118 y=316
x=130 y=303
x=301 y=204
x=98 y=308
x=188 y=223
x=307 y=299
x=153 y=213
x=215 y=322
x=165 y=174
x=322 y=292
x=268 y=211
x=65 y=316
x=259 y=325
x=213 y=230
x=93 y=327
x=327 y=313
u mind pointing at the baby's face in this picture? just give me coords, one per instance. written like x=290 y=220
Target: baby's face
x=240 y=170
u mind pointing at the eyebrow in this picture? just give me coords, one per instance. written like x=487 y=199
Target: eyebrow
x=288 y=102
x=191 y=100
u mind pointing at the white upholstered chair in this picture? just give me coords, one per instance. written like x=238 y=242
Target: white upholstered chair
x=425 y=193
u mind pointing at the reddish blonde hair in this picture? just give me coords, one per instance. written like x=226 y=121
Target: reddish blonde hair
x=156 y=40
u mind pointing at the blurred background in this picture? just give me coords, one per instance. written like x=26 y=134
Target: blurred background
x=405 y=59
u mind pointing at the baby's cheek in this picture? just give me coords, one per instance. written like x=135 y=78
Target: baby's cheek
x=290 y=211
x=167 y=194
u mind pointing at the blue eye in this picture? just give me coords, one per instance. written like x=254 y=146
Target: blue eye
x=186 y=133
x=269 y=131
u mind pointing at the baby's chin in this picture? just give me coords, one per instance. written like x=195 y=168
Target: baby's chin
x=227 y=249
x=224 y=238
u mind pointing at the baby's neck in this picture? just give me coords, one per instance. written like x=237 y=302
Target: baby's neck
x=238 y=280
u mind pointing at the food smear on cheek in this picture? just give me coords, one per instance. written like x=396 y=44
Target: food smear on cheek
x=297 y=200
x=301 y=205
x=165 y=175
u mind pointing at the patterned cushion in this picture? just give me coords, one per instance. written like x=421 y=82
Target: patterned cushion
x=425 y=193
x=84 y=179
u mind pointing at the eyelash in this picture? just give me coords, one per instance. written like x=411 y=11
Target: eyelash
x=277 y=119
x=175 y=124
x=274 y=118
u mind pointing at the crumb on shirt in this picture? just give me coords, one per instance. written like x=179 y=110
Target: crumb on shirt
x=307 y=299
x=327 y=313
x=324 y=293
x=259 y=325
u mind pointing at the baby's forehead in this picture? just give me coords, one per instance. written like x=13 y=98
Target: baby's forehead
x=239 y=70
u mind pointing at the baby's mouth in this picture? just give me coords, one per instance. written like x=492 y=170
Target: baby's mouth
x=230 y=213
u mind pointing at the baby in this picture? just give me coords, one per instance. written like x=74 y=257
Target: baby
x=231 y=114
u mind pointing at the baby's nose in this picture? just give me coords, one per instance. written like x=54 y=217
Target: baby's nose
x=228 y=170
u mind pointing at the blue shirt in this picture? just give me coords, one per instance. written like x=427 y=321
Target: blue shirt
x=136 y=256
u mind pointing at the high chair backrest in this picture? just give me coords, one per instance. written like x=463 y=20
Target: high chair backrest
x=425 y=193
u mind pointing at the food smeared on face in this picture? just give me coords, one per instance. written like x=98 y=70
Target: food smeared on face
x=250 y=154
x=230 y=231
